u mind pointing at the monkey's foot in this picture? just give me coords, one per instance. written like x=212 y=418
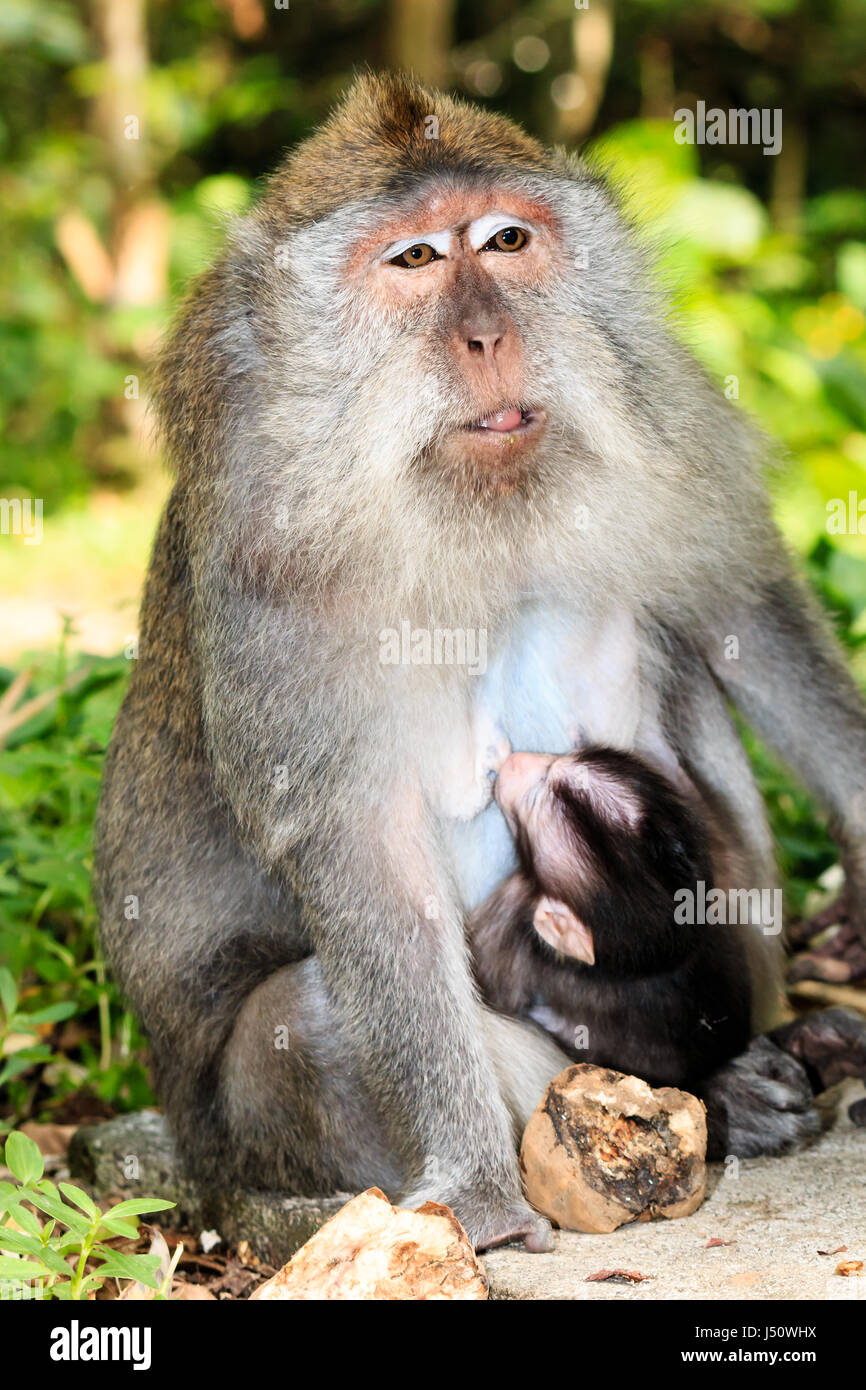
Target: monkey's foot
x=831 y=1044
x=760 y=1103
x=491 y=1222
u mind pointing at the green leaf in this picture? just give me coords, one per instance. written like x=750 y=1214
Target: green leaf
x=23 y=1060
x=28 y=1245
x=137 y=1206
x=8 y=1195
x=80 y=1199
x=118 y=1226
x=23 y=1157
x=18 y=1242
x=51 y=1204
x=26 y=1219
x=142 y=1268
x=52 y=1014
x=8 y=992
x=93 y=1281
x=22 y=1269
x=68 y=1243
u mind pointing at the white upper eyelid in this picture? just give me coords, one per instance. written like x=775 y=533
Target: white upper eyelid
x=486 y=227
x=440 y=241
x=480 y=232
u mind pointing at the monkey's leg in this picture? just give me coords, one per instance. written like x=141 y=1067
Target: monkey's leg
x=295 y=1094
x=761 y=1101
x=703 y=731
x=293 y=1098
x=526 y=1061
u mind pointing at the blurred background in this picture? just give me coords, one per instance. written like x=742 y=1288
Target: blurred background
x=130 y=130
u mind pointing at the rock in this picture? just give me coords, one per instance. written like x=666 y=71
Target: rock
x=135 y=1156
x=274 y=1226
x=603 y=1149
x=371 y=1250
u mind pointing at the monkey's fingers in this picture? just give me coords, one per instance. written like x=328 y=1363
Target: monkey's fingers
x=840 y=960
x=836 y=913
x=831 y=1044
x=760 y=1103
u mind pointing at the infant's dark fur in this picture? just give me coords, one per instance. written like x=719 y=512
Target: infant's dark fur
x=604 y=843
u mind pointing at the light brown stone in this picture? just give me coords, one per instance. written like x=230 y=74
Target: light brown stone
x=371 y=1250
x=603 y=1149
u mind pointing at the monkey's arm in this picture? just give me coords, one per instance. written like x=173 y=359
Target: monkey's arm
x=302 y=739
x=790 y=681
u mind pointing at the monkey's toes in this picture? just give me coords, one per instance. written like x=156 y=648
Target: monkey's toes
x=510 y=1224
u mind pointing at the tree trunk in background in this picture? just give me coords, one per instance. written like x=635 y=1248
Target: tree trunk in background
x=140 y=221
x=420 y=34
x=656 y=79
x=789 y=177
x=592 y=45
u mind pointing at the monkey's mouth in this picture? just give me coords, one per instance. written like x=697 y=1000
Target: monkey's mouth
x=492 y=454
x=513 y=420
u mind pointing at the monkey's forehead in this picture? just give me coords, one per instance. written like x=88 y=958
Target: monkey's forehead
x=387 y=135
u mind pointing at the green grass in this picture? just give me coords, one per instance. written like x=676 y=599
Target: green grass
x=49 y=785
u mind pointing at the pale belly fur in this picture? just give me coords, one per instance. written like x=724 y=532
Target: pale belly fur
x=560 y=682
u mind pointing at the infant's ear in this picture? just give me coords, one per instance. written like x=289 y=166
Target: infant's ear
x=561 y=929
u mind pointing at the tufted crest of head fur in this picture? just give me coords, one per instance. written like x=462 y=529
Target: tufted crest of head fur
x=379 y=141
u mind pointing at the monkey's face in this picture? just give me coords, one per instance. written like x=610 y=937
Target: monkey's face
x=453 y=271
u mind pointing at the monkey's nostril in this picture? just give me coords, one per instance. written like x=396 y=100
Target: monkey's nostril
x=485 y=343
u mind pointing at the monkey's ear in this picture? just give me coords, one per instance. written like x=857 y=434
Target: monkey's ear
x=561 y=929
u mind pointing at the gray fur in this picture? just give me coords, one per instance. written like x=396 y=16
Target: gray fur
x=275 y=796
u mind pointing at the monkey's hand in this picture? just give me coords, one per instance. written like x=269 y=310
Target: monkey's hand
x=840 y=958
x=760 y=1103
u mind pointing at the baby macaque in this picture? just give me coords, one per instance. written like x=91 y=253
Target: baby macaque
x=583 y=939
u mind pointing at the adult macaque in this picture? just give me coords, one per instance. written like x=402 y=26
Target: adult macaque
x=425 y=385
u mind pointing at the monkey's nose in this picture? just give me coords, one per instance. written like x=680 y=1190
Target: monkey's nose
x=485 y=344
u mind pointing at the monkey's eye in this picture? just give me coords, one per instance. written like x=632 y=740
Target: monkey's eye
x=507 y=239
x=422 y=253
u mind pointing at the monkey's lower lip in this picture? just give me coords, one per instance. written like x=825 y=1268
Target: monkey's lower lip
x=517 y=420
